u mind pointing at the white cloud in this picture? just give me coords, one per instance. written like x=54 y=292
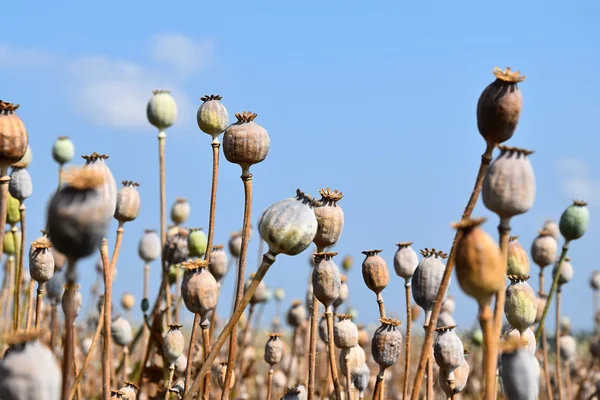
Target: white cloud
x=184 y=55
x=19 y=58
x=577 y=182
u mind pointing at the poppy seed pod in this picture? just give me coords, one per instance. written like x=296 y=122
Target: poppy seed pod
x=197 y=242
x=73 y=297
x=121 y=331
x=127 y=301
x=180 y=211
x=176 y=247
x=326 y=279
x=449 y=306
x=130 y=390
x=128 y=202
x=29 y=370
x=426 y=280
x=161 y=109
x=293 y=394
x=245 y=142
x=20 y=185
x=517 y=371
x=173 y=343
x=218 y=262
x=54 y=287
x=386 y=343
x=543 y=248
x=274 y=349
x=63 y=150
x=374 y=271
x=448 y=350
x=595 y=280
x=149 y=246
x=77 y=216
x=323 y=334
x=520 y=306
x=260 y=293
x=499 y=107
x=221 y=376
x=518 y=262
x=347 y=263
x=41 y=262
x=108 y=188
x=405 y=261
x=461 y=376
x=352 y=359
x=13 y=215
x=361 y=379
x=574 y=220
x=13 y=135
x=568 y=348
x=509 y=185
x=345 y=332
x=296 y=314
x=529 y=337
x=199 y=289
x=552 y=227
x=289 y=226
x=330 y=217
x=235 y=244
x=343 y=292
x=565 y=271
x=363 y=335
x=445 y=319
x=25 y=160
x=212 y=116
x=479 y=267
x=10 y=242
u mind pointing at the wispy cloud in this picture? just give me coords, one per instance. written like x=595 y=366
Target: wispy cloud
x=11 y=57
x=577 y=181
x=182 y=54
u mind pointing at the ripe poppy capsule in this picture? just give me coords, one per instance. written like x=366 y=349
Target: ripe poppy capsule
x=330 y=217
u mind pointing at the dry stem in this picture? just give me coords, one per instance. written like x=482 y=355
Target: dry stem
x=106 y=350
x=407 y=343
x=332 y=364
x=557 y=338
x=190 y=355
x=270 y=383
x=4 y=180
x=38 y=304
x=30 y=303
x=206 y=350
x=381 y=305
x=490 y=353
x=68 y=350
x=17 y=314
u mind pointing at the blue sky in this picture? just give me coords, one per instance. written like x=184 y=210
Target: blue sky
x=374 y=99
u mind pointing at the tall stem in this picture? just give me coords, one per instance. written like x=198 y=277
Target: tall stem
x=549 y=391
x=146 y=332
x=486 y=159
x=118 y=241
x=106 y=350
x=557 y=339
x=60 y=172
x=332 y=364
x=312 y=351
x=489 y=354
x=30 y=302
x=268 y=260
x=206 y=349
x=4 y=180
x=430 y=394
x=170 y=381
x=162 y=137
x=190 y=355
x=38 y=304
x=270 y=383
x=407 y=343
x=349 y=387
x=563 y=255
x=377 y=391
x=542 y=293
x=568 y=379
x=125 y=363
x=381 y=305
x=10 y=266
x=75 y=363
x=68 y=350
x=146 y=353
x=17 y=314
x=53 y=326
x=247 y=180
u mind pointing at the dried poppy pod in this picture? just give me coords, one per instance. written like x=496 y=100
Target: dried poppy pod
x=180 y=211
x=595 y=280
x=351 y=360
x=363 y=335
x=479 y=267
x=405 y=261
x=245 y=142
x=197 y=242
x=149 y=246
x=274 y=349
x=445 y=319
x=29 y=369
x=173 y=343
x=73 y=297
x=518 y=261
x=361 y=379
x=461 y=376
x=117 y=394
x=41 y=262
x=426 y=280
x=565 y=272
x=121 y=331
x=375 y=271
x=199 y=289
x=260 y=293
x=289 y=226
x=518 y=372
x=448 y=350
x=212 y=116
x=176 y=247
x=326 y=279
x=63 y=150
x=235 y=244
x=344 y=292
x=221 y=376
x=499 y=107
x=13 y=135
x=529 y=337
x=345 y=332
x=20 y=186
x=54 y=287
x=520 y=306
x=161 y=109
x=574 y=220
x=509 y=185
x=218 y=262
x=25 y=160
x=543 y=248
x=130 y=390
x=295 y=393
x=323 y=334
x=330 y=217
x=386 y=343
x=128 y=202
x=296 y=315
x=127 y=301
x=568 y=348
x=448 y=306
x=77 y=216
x=108 y=189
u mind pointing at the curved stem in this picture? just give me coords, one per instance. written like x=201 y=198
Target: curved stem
x=489 y=350
x=190 y=355
x=68 y=350
x=17 y=314
x=332 y=364
x=557 y=339
x=486 y=159
x=553 y=288
x=30 y=302
x=381 y=305
x=206 y=349
x=270 y=383
x=407 y=342
x=38 y=304
x=247 y=180
x=106 y=350
x=118 y=241
x=268 y=260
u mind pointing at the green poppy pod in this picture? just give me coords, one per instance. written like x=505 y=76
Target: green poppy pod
x=574 y=220
x=196 y=242
x=212 y=116
x=63 y=150
x=161 y=109
x=13 y=215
